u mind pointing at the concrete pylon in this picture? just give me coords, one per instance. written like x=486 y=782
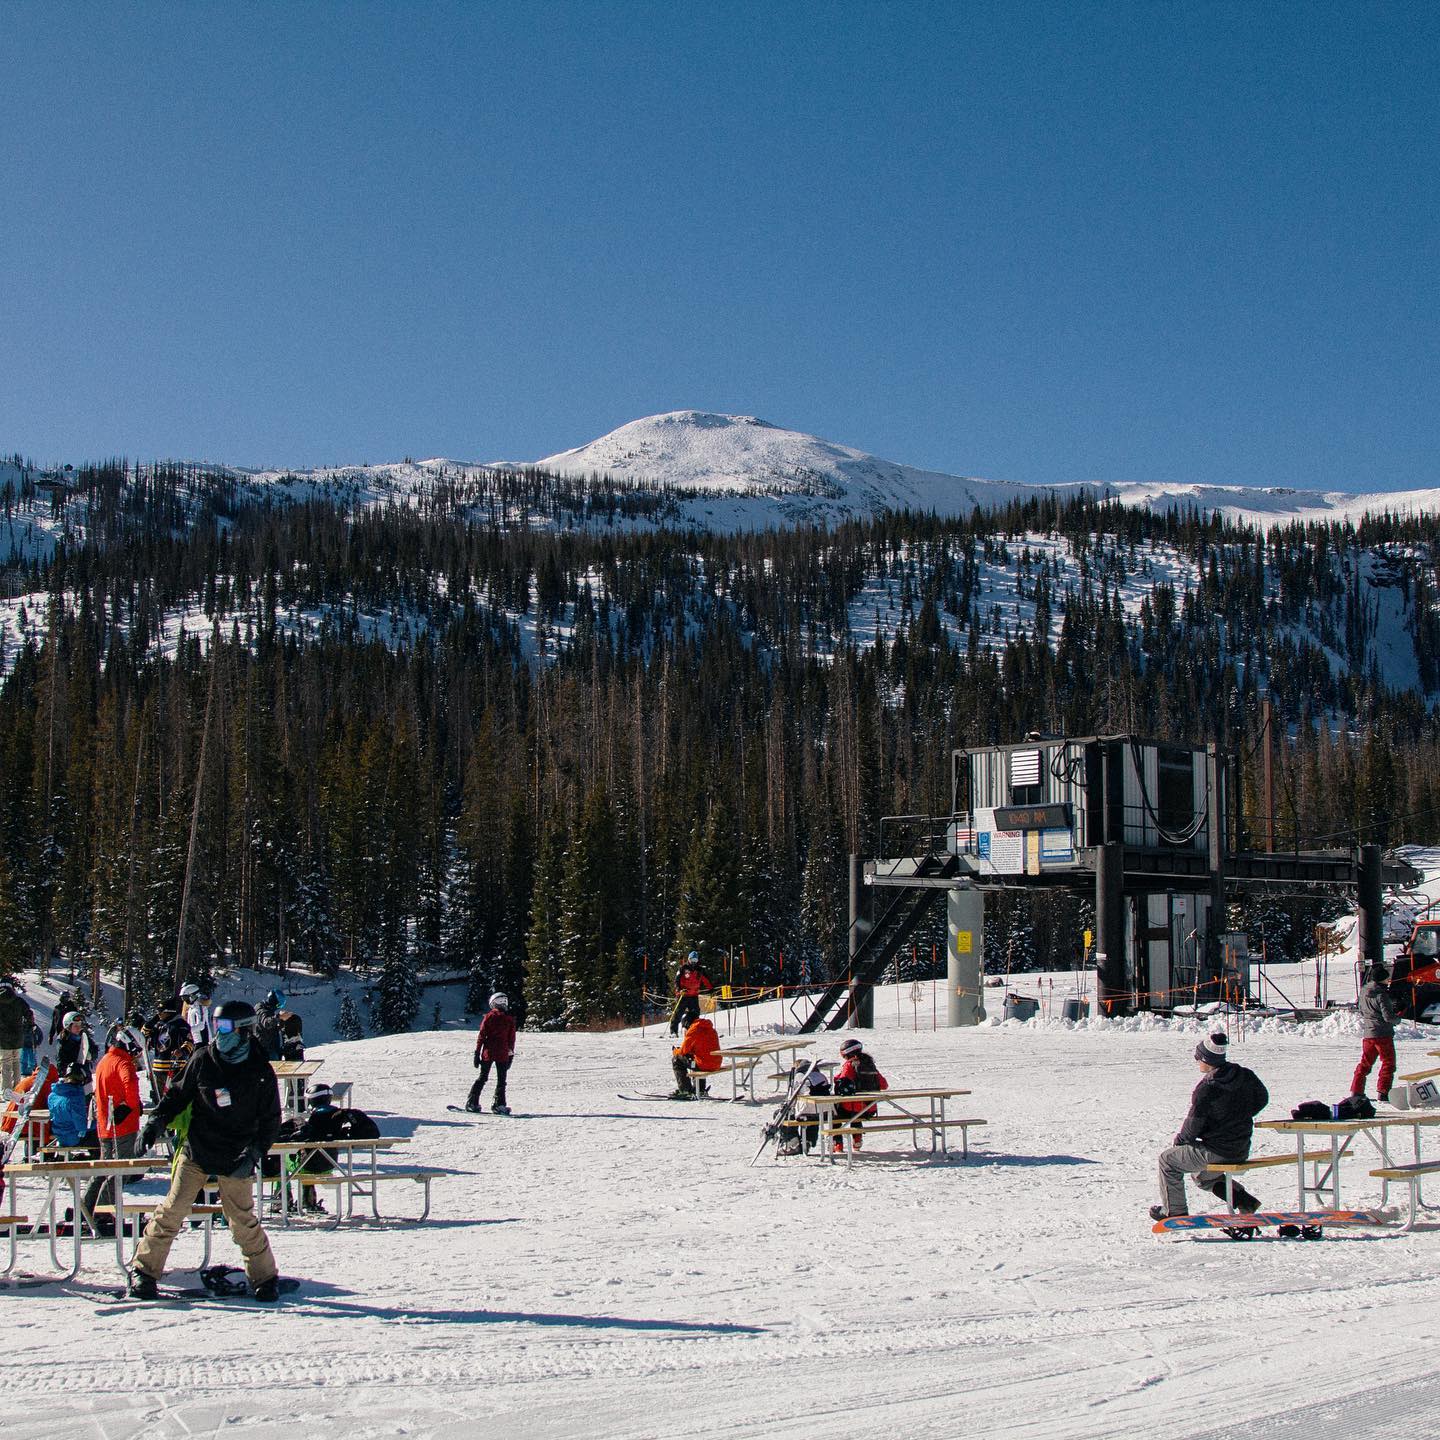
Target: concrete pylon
x=965 y=956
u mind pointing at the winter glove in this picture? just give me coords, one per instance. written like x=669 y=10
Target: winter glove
x=477 y=1059
x=149 y=1134
x=249 y=1159
x=122 y=1113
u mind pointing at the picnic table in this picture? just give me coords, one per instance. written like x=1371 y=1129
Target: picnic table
x=1340 y=1135
x=355 y=1173
x=60 y=1175
x=921 y=1112
x=741 y=1062
x=292 y=1075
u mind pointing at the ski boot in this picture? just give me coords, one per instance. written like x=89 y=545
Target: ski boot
x=499 y=1109
x=268 y=1290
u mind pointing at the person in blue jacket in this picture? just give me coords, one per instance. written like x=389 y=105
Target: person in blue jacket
x=69 y=1108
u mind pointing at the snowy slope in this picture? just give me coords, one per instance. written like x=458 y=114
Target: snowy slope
x=604 y=1269
x=600 y=1269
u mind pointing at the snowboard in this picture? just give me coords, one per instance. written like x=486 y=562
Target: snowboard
x=1292 y=1224
x=460 y=1109
x=217 y=1284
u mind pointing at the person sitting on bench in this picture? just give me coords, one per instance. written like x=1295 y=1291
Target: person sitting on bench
x=1218 y=1128
x=857 y=1072
x=699 y=1052
x=325 y=1122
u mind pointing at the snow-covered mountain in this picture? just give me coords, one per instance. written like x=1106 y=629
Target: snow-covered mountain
x=737 y=465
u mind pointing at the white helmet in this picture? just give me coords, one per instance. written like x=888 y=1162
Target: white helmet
x=189 y=990
x=73 y=1017
x=499 y=1001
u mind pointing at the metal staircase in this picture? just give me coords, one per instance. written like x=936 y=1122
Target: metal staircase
x=899 y=921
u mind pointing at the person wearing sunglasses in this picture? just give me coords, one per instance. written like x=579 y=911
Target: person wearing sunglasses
x=234 y=1102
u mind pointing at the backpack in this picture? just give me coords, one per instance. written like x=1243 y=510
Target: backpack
x=1354 y=1107
x=1311 y=1110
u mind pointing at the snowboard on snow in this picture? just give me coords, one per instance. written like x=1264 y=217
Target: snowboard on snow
x=460 y=1109
x=218 y=1283
x=1292 y=1224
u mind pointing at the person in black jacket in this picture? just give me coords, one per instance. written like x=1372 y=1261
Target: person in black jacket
x=233 y=1099
x=325 y=1122
x=1219 y=1127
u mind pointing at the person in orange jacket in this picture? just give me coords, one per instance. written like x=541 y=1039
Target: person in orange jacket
x=858 y=1072
x=46 y=1075
x=698 y=1052
x=117 y=1111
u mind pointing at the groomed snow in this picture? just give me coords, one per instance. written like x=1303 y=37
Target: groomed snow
x=602 y=1268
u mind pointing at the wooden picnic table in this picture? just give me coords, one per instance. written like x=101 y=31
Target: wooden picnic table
x=1341 y=1136
x=292 y=1075
x=919 y=1111
x=741 y=1061
x=72 y=1174
x=356 y=1165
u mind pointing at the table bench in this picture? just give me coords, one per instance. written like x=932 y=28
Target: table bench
x=365 y=1185
x=1410 y=1175
x=890 y=1113
x=1342 y=1134
x=741 y=1062
x=1231 y=1168
x=292 y=1075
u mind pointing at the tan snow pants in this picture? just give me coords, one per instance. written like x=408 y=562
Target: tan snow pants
x=237 y=1199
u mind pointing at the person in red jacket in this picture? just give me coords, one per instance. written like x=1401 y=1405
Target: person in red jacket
x=117 y=1112
x=857 y=1073
x=495 y=1045
x=698 y=1052
x=690 y=980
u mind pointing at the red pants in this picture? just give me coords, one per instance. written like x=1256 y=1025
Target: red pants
x=1384 y=1051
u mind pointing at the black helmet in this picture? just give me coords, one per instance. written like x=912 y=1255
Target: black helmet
x=852 y=1046
x=238 y=1015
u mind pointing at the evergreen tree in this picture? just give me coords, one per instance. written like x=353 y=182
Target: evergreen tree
x=347 y=1019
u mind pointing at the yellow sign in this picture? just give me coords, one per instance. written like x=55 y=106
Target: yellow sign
x=964 y=940
x=1089 y=939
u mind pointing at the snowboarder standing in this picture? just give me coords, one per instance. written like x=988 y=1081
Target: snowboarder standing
x=495 y=1045
x=1219 y=1127
x=698 y=1052
x=234 y=1101
x=1378 y=1013
x=690 y=980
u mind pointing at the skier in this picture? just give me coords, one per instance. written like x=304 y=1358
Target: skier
x=1223 y=1107
x=196 y=1000
x=170 y=1045
x=690 y=980
x=117 y=1109
x=495 y=1045
x=77 y=1045
x=234 y=1103
x=857 y=1072
x=698 y=1052
x=1378 y=1013
x=16 y=1023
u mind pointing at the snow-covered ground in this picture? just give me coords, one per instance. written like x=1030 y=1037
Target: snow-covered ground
x=605 y=1268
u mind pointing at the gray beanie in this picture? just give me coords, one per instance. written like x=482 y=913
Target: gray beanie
x=1212 y=1051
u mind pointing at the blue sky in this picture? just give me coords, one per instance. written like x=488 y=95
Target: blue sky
x=1025 y=241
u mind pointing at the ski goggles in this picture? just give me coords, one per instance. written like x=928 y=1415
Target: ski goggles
x=229 y=1027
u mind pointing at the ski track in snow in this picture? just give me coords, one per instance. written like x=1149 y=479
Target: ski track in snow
x=604 y=1270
